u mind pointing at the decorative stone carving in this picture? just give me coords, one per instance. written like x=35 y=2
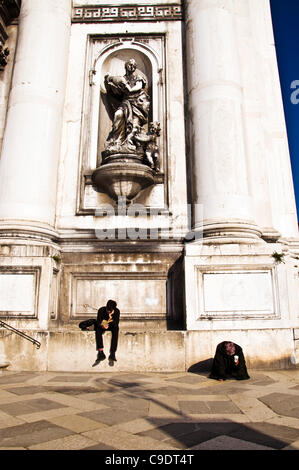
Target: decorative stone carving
x=131 y=155
x=109 y=13
x=130 y=103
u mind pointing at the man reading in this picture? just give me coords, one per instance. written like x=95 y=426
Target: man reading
x=107 y=319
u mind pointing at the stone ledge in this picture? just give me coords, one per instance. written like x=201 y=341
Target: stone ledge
x=158 y=351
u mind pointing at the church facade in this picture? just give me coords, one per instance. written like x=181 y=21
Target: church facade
x=144 y=159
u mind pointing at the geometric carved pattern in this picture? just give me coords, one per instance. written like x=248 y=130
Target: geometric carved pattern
x=127 y=13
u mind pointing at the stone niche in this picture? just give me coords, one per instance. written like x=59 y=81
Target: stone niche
x=126 y=173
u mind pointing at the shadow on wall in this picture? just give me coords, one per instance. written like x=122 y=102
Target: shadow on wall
x=175 y=296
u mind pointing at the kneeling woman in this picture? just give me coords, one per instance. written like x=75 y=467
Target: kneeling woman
x=229 y=362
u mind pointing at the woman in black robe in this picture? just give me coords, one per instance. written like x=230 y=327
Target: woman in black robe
x=229 y=362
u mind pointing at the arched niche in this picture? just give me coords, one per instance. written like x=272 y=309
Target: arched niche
x=112 y=60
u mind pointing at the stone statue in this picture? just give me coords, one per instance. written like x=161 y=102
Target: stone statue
x=149 y=143
x=129 y=104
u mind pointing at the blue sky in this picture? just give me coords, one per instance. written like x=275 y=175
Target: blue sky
x=285 y=16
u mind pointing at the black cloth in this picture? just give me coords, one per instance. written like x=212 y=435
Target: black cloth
x=85 y=324
x=224 y=366
x=112 y=326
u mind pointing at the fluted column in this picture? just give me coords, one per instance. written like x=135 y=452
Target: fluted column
x=30 y=153
x=217 y=149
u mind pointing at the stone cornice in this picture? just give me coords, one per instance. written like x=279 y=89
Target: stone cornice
x=117 y=13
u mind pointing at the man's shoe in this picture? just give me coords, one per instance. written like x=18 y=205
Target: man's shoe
x=100 y=357
x=112 y=357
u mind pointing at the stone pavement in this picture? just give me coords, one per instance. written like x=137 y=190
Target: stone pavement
x=148 y=411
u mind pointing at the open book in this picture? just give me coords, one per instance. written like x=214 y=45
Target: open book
x=106 y=322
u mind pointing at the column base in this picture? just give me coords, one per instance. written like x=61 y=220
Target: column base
x=28 y=232
x=212 y=232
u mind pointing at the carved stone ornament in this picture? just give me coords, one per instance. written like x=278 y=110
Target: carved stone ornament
x=108 y=13
x=131 y=156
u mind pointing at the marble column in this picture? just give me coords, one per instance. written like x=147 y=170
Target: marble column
x=217 y=160
x=31 y=146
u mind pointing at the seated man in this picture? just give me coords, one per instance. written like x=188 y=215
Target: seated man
x=107 y=319
x=229 y=362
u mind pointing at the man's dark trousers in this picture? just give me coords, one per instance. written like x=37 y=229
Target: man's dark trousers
x=99 y=331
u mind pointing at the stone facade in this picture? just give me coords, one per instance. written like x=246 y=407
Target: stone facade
x=207 y=249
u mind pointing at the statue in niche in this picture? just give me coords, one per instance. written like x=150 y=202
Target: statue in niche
x=129 y=104
x=149 y=144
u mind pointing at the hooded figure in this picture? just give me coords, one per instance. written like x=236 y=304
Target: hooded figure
x=229 y=362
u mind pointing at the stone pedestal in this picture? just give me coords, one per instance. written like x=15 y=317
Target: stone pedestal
x=124 y=178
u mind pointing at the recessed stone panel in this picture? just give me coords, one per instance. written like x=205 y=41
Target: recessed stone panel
x=18 y=292
x=237 y=293
x=135 y=297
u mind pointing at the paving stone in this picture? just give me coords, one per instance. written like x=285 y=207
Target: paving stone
x=282 y=403
x=28 y=434
x=261 y=380
x=74 y=442
x=186 y=441
x=191 y=379
x=172 y=390
x=30 y=390
x=99 y=446
x=199 y=407
x=76 y=390
x=220 y=388
x=122 y=440
x=228 y=443
x=170 y=430
x=218 y=427
x=16 y=378
x=29 y=406
x=104 y=400
x=270 y=435
x=124 y=383
x=76 y=423
x=70 y=378
x=131 y=403
x=129 y=377
x=293 y=446
x=112 y=416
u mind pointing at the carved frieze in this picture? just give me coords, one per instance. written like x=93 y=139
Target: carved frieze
x=94 y=14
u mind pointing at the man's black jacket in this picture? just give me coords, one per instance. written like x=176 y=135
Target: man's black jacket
x=104 y=315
